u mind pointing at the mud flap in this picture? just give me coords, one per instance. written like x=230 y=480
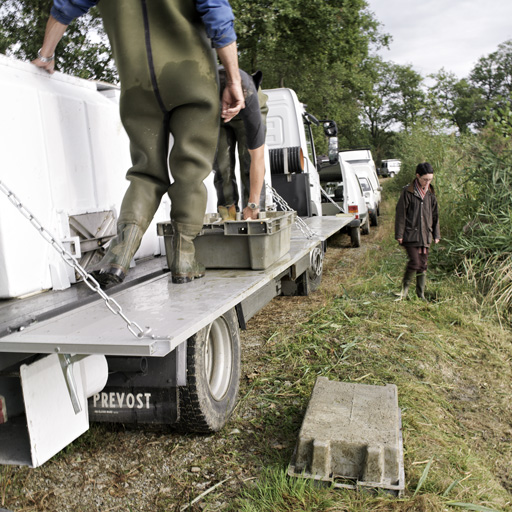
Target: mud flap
x=51 y=408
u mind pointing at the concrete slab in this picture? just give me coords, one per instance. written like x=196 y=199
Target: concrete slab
x=351 y=437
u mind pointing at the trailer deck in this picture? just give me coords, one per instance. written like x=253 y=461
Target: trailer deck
x=84 y=325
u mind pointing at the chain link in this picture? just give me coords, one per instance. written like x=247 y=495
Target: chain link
x=285 y=207
x=70 y=260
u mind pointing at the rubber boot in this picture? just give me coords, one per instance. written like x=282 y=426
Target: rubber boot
x=420 y=285
x=183 y=264
x=406 y=282
x=112 y=269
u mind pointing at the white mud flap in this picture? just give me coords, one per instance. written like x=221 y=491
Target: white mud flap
x=55 y=391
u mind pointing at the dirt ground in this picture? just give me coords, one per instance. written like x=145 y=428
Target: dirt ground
x=113 y=468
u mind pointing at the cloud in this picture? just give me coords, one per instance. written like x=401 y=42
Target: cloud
x=435 y=34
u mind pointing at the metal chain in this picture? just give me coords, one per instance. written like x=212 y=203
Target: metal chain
x=71 y=261
x=326 y=195
x=304 y=228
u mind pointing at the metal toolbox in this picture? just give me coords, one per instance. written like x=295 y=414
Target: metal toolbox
x=254 y=244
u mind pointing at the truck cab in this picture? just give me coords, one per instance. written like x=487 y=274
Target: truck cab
x=293 y=158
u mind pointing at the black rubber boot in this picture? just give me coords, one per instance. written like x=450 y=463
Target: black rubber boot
x=420 y=285
x=183 y=264
x=112 y=269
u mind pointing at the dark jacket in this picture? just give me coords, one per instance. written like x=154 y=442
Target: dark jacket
x=417 y=219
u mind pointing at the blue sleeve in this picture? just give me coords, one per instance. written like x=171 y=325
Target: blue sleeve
x=65 y=11
x=218 y=19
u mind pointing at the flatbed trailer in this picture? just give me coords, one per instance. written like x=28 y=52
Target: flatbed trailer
x=67 y=357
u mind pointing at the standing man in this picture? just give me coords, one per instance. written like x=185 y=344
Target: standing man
x=168 y=86
x=245 y=132
x=417 y=226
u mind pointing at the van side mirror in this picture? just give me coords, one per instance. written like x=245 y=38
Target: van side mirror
x=331 y=131
x=333 y=150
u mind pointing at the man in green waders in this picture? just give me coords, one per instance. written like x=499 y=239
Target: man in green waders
x=168 y=86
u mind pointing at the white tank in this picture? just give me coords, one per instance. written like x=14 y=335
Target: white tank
x=63 y=152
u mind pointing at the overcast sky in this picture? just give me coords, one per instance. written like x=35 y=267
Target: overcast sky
x=432 y=34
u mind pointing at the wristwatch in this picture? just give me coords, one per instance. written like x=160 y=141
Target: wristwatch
x=44 y=59
x=253 y=206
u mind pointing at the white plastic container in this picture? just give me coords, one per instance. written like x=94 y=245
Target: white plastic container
x=63 y=152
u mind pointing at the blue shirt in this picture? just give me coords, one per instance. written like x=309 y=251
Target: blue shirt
x=217 y=17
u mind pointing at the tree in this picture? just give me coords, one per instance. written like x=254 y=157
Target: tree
x=314 y=47
x=457 y=101
x=394 y=100
x=407 y=100
x=375 y=101
x=84 y=50
x=493 y=74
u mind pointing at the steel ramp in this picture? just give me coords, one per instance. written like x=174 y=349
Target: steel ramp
x=173 y=312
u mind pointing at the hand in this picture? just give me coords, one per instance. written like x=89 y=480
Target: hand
x=250 y=214
x=400 y=240
x=232 y=101
x=47 y=66
x=437 y=240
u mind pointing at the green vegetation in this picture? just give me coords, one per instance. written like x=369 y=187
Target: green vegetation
x=449 y=360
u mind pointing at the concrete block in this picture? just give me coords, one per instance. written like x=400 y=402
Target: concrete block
x=351 y=436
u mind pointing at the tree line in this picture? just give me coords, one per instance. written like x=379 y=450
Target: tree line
x=324 y=50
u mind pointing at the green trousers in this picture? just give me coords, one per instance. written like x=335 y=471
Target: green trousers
x=168 y=87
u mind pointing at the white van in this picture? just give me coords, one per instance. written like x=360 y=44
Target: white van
x=362 y=162
x=390 y=167
x=294 y=176
x=341 y=192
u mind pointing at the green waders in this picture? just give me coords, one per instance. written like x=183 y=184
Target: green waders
x=168 y=86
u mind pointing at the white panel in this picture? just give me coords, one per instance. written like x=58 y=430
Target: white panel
x=52 y=422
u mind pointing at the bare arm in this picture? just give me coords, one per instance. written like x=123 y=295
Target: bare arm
x=257 y=177
x=54 y=32
x=233 y=96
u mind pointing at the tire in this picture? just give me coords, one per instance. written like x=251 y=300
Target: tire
x=315 y=270
x=374 y=221
x=365 y=230
x=213 y=376
x=355 y=236
x=391 y=174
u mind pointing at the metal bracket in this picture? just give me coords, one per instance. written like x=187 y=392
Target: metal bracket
x=66 y=362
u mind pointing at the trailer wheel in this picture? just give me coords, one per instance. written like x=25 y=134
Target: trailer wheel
x=315 y=270
x=213 y=376
x=355 y=236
